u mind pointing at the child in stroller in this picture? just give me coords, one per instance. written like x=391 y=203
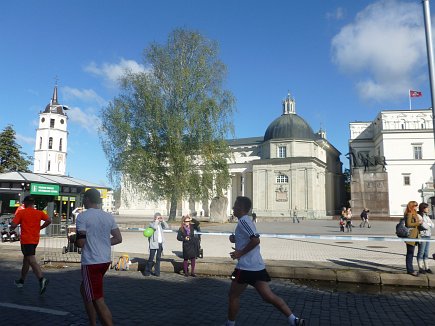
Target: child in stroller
x=71 y=236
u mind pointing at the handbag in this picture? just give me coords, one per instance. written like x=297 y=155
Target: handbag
x=401 y=230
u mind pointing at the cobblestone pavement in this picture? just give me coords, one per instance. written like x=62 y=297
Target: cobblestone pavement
x=173 y=299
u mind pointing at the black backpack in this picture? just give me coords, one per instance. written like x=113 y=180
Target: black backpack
x=401 y=230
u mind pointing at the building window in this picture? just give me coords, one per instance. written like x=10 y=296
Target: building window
x=51 y=123
x=282 y=178
x=40 y=142
x=406 y=180
x=50 y=143
x=418 y=155
x=49 y=164
x=282 y=151
x=60 y=145
x=402 y=124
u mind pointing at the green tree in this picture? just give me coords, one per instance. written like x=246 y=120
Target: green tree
x=166 y=130
x=11 y=156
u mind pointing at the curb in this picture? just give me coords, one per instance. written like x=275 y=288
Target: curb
x=224 y=268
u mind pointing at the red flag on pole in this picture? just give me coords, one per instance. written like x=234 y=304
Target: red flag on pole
x=415 y=93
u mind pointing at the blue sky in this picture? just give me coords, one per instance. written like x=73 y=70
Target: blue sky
x=342 y=61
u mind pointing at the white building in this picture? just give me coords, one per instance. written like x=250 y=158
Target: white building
x=51 y=139
x=289 y=168
x=406 y=140
x=108 y=202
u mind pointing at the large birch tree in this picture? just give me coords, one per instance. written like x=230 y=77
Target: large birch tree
x=165 y=132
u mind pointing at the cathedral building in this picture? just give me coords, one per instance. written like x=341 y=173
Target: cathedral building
x=289 y=169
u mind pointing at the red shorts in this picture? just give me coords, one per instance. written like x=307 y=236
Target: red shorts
x=93 y=280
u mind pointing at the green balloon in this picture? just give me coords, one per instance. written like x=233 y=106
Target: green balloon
x=148 y=232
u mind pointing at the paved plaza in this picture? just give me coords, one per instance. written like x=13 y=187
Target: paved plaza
x=173 y=299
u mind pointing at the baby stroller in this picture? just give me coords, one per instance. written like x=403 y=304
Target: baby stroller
x=198 y=237
x=342 y=223
x=71 y=236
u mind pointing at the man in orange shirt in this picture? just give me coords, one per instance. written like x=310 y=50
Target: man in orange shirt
x=30 y=220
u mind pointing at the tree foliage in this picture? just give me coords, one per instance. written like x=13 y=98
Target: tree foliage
x=167 y=128
x=11 y=156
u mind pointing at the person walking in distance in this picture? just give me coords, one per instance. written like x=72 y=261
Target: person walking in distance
x=96 y=233
x=365 y=218
x=295 y=215
x=156 y=245
x=30 y=221
x=250 y=267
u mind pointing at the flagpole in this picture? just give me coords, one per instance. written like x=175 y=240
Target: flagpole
x=430 y=59
x=409 y=97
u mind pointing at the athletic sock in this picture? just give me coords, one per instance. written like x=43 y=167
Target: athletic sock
x=292 y=319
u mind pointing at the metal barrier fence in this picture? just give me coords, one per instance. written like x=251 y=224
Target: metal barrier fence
x=58 y=244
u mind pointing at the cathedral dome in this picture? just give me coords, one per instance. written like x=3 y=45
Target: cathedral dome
x=289 y=125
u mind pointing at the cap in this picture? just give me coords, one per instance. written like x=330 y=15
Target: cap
x=157 y=214
x=93 y=195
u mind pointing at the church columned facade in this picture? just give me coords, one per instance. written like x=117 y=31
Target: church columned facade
x=290 y=168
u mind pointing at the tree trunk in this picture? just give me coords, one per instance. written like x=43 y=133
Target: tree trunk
x=173 y=209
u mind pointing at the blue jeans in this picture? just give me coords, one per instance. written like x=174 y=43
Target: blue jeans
x=150 y=262
x=409 y=257
x=423 y=249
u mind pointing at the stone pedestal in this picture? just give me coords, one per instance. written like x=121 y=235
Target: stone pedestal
x=218 y=209
x=369 y=189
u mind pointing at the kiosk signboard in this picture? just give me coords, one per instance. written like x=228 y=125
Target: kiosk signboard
x=44 y=189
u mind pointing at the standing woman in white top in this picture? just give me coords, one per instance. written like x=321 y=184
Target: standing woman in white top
x=425 y=233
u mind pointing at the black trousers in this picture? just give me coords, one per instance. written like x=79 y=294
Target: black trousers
x=158 y=254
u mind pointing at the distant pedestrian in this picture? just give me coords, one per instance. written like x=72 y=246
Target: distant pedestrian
x=425 y=233
x=342 y=220
x=186 y=234
x=295 y=215
x=349 y=219
x=30 y=221
x=412 y=222
x=250 y=267
x=96 y=233
x=156 y=245
x=254 y=217
x=365 y=218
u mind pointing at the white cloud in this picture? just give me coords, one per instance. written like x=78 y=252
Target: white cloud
x=112 y=72
x=24 y=139
x=86 y=119
x=85 y=95
x=385 y=48
x=336 y=14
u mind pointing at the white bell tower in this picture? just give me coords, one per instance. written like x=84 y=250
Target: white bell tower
x=51 y=139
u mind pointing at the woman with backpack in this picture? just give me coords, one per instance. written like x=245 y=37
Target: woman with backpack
x=412 y=222
x=425 y=233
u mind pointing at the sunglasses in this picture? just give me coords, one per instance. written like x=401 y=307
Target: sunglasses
x=187 y=221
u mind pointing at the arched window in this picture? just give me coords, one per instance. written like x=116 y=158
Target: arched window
x=402 y=124
x=50 y=143
x=60 y=145
x=40 y=142
x=282 y=178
